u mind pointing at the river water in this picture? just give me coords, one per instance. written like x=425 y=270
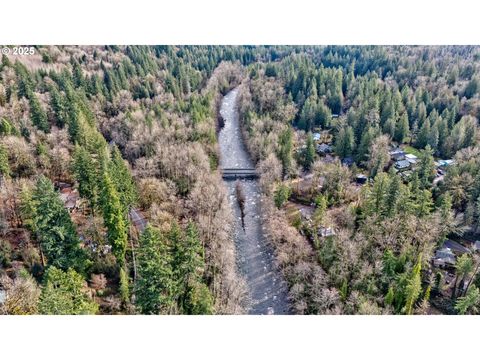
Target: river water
x=255 y=257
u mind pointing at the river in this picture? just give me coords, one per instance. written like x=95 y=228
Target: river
x=255 y=257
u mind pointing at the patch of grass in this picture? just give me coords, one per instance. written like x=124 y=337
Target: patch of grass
x=411 y=150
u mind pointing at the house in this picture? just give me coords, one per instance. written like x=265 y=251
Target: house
x=444 y=257
x=316 y=136
x=323 y=149
x=456 y=247
x=361 y=179
x=70 y=198
x=397 y=155
x=402 y=165
x=325 y=231
x=334 y=116
x=412 y=159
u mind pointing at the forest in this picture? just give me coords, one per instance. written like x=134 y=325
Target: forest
x=112 y=199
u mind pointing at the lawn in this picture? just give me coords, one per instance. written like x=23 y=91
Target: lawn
x=411 y=150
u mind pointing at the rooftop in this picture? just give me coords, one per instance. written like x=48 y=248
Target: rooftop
x=402 y=164
x=324 y=148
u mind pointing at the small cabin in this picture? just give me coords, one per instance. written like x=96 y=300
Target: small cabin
x=316 y=136
x=397 y=155
x=444 y=257
x=323 y=149
x=402 y=165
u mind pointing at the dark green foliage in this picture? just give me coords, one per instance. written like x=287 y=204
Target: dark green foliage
x=171 y=270
x=114 y=219
x=5 y=253
x=472 y=88
x=281 y=196
x=122 y=179
x=37 y=114
x=327 y=252
x=54 y=229
x=309 y=154
x=64 y=293
x=6 y=128
x=58 y=107
x=344 y=142
x=188 y=266
x=155 y=287
x=402 y=128
x=426 y=167
x=285 y=152
x=86 y=175
x=4 y=166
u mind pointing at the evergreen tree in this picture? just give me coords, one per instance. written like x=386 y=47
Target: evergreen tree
x=423 y=136
x=123 y=286
x=281 y=195
x=390 y=296
x=309 y=152
x=58 y=106
x=37 y=114
x=424 y=203
x=25 y=82
x=413 y=288
x=286 y=148
x=122 y=178
x=6 y=128
x=307 y=115
x=323 y=115
x=472 y=88
x=426 y=167
x=446 y=215
x=4 y=165
x=365 y=143
x=320 y=209
x=377 y=194
x=188 y=267
x=393 y=195
x=469 y=304
x=54 y=228
x=402 y=128
x=389 y=127
x=344 y=142
x=86 y=175
x=114 y=220
x=200 y=300
x=155 y=287
x=65 y=293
